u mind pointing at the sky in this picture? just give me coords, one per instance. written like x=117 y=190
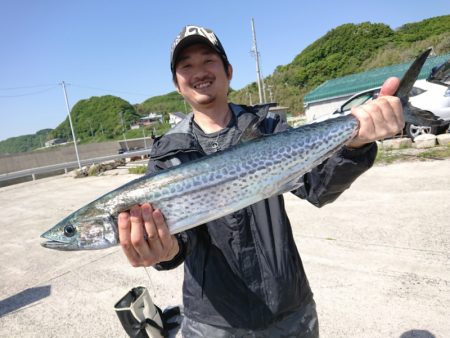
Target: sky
x=122 y=48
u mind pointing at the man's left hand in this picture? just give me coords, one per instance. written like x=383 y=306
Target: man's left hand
x=380 y=118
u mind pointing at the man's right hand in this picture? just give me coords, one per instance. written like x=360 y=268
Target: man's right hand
x=145 y=237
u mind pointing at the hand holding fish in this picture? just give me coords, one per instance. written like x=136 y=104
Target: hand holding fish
x=379 y=118
x=145 y=237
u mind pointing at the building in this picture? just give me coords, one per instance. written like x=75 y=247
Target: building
x=54 y=142
x=175 y=118
x=326 y=98
x=151 y=119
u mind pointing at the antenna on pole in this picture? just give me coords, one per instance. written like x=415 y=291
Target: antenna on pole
x=260 y=81
x=71 y=125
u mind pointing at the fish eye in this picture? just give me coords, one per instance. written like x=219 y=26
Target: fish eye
x=69 y=230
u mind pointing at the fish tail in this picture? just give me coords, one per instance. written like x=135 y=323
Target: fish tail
x=412 y=114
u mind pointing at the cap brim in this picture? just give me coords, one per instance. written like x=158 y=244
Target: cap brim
x=186 y=42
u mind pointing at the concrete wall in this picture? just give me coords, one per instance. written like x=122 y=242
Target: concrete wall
x=60 y=154
x=135 y=143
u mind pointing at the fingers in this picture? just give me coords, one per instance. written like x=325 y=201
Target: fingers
x=387 y=117
x=124 y=226
x=379 y=119
x=164 y=246
x=145 y=237
x=390 y=86
x=139 y=235
x=163 y=231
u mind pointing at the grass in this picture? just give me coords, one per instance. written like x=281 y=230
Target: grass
x=142 y=169
x=435 y=153
x=388 y=156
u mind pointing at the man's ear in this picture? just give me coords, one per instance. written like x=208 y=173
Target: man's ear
x=229 y=72
x=177 y=87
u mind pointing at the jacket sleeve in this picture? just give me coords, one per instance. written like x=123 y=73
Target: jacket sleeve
x=327 y=181
x=330 y=179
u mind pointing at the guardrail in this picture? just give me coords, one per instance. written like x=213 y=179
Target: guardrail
x=69 y=165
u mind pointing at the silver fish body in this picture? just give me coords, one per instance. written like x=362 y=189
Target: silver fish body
x=200 y=191
x=206 y=189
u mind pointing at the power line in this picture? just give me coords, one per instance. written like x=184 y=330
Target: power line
x=52 y=86
x=29 y=94
x=28 y=87
x=105 y=90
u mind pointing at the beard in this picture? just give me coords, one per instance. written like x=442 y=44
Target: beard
x=203 y=99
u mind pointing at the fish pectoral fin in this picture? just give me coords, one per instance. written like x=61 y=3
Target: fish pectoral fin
x=292 y=185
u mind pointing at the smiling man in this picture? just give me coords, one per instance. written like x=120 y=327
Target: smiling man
x=243 y=274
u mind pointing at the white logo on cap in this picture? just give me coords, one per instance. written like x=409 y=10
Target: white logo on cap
x=195 y=30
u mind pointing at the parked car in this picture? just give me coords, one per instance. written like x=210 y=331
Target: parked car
x=431 y=95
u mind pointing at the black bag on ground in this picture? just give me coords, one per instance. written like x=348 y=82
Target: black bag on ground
x=142 y=319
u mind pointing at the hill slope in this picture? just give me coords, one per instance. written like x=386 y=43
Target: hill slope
x=24 y=143
x=344 y=50
x=348 y=49
x=98 y=118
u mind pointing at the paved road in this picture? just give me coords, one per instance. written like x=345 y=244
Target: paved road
x=377 y=259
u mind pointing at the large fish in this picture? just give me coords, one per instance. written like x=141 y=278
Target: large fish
x=200 y=191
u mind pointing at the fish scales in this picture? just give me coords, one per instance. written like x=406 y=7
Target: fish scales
x=224 y=183
x=206 y=189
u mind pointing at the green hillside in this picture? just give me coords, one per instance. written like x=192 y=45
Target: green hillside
x=172 y=102
x=347 y=49
x=97 y=119
x=24 y=143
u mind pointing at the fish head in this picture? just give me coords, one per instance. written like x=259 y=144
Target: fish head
x=82 y=230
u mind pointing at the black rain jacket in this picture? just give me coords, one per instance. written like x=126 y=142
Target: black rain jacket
x=243 y=270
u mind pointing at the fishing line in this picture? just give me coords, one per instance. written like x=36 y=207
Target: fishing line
x=150 y=282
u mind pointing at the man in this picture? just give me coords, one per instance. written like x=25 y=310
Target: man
x=243 y=273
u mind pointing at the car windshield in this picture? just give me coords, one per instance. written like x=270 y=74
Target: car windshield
x=357 y=101
x=441 y=74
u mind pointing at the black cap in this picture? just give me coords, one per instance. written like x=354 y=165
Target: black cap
x=195 y=34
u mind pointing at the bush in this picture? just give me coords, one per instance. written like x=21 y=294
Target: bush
x=142 y=169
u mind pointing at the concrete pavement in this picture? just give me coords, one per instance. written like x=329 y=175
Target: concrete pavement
x=378 y=259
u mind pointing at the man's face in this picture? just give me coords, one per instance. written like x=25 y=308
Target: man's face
x=201 y=77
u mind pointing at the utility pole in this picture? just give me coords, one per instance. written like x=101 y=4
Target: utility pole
x=90 y=127
x=270 y=93
x=260 y=81
x=123 y=130
x=143 y=133
x=71 y=124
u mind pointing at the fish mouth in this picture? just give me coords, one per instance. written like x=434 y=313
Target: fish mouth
x=56 y=245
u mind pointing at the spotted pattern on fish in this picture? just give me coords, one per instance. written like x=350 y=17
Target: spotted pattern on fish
x=214 y=186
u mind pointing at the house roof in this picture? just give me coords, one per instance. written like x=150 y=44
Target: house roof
x=351 y=84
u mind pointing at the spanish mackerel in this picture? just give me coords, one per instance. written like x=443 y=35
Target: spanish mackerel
x=193 y=193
